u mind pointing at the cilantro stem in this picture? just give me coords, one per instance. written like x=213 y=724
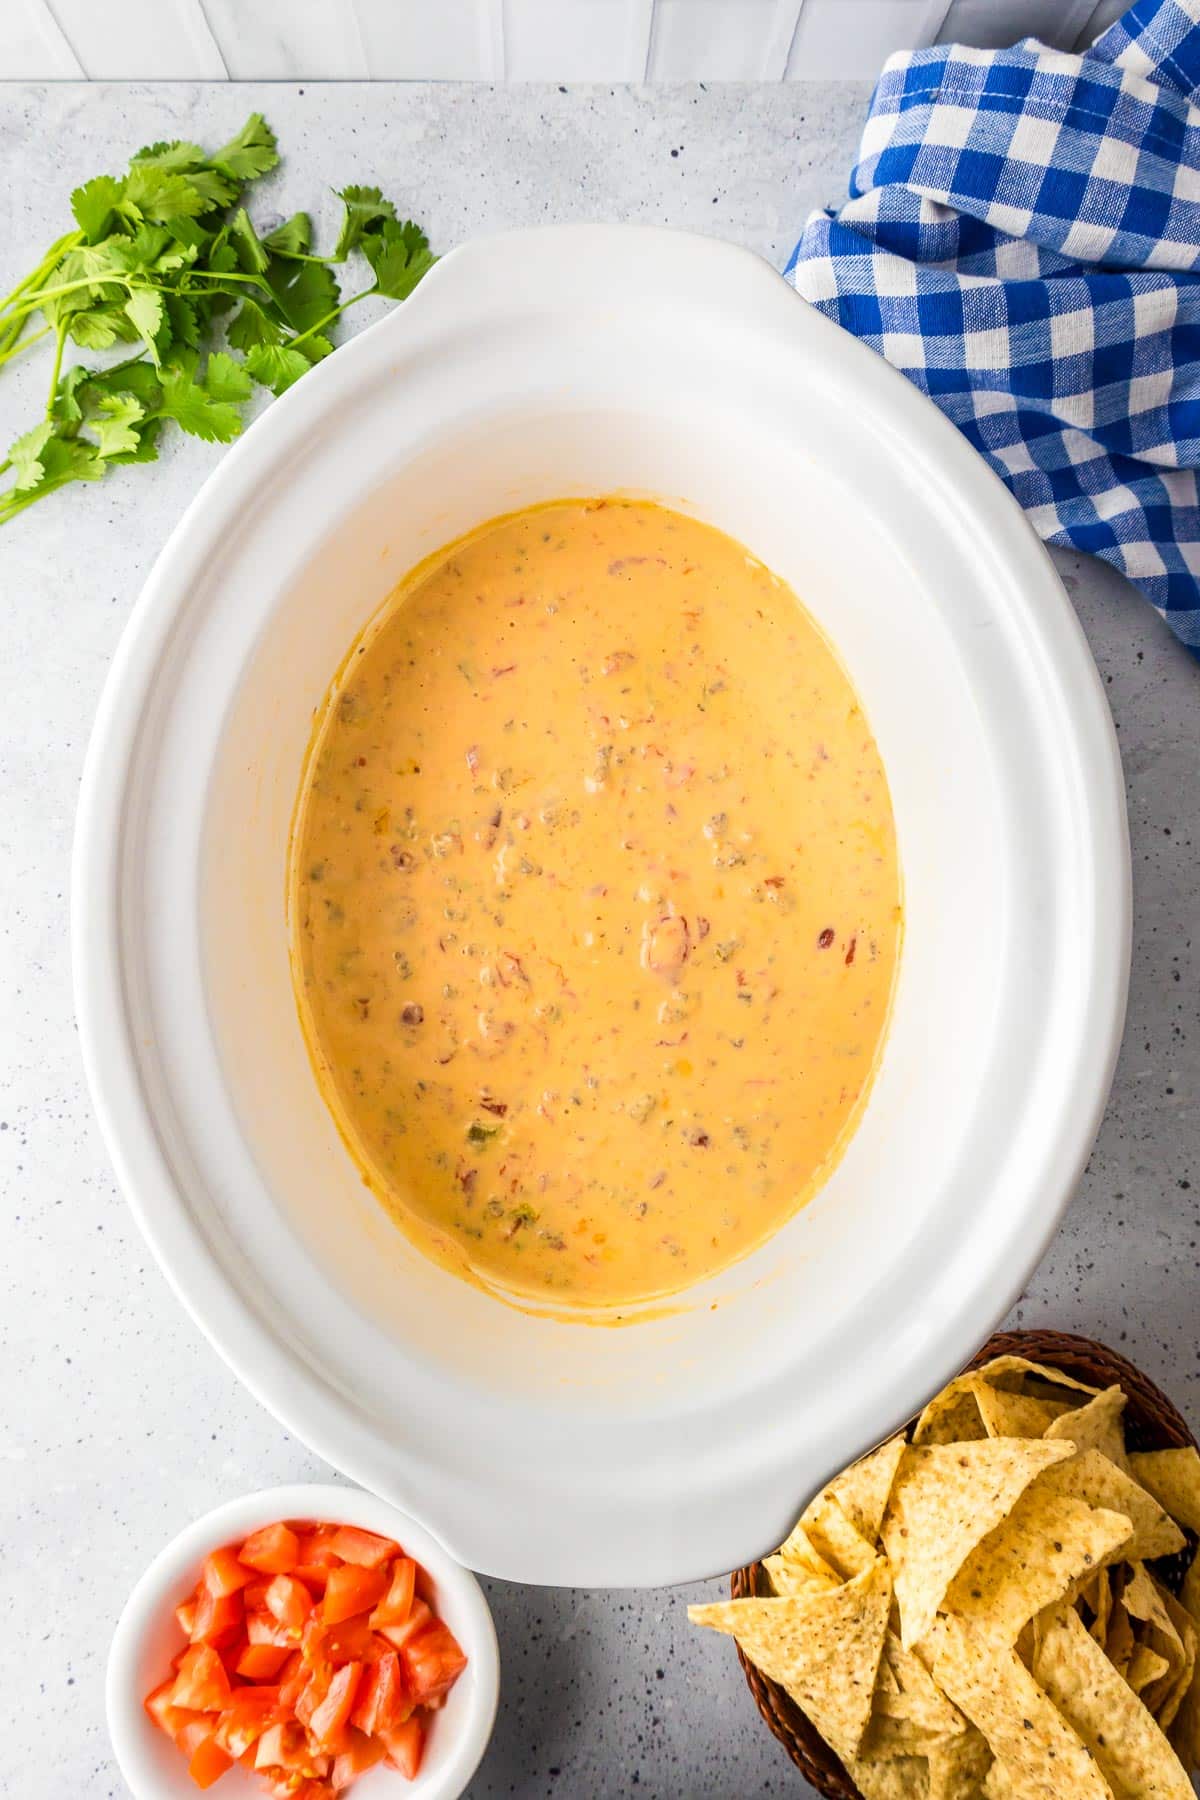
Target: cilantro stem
x=69 y=241
x=58 y=356
x=330 y=317
x=18 y=345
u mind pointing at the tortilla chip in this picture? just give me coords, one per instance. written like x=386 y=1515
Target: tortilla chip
x=1096 y=1426
x=835 y=1539
x=958 y=1765
x=952 y=1417
x=906 y=1690
x=1016 y=1415
x=1173 y=1477
x=997 y=1783
x=789 y=1578
x=1096 y=1595
x=1092 y=1477
x=824 y=1649
x=1020 y=1376
x=799 y=1548
x=1045 y=1547
x=1166 y=1694
x=1145 y=1666
x=862 y=1490
x=1185 y=1731
x=1189 y=1593
x=887 y=1737
x=945 y=1499
x=1144 y=1600
x=1120 y=1642
x=900 y=1778
x=1040 y=1753
x=1104 y=1711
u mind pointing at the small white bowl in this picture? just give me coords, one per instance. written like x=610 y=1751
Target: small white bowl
x=147 y=1637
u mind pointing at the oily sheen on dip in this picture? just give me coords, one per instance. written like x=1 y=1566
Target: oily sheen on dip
x=595 y=904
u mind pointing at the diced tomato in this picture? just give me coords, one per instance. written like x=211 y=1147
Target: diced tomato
x=328 y=1723
x=351 y=1589
x=261 y=1662
x=363 y=1547
x=350 y=1641
x=286 y=1747
x=224 y=1574
x=193 y=1735
x=245 y=1719
x=313 y=1575
x=201 y=1684
x=263 y=1628
x=218 y=1618
x=361 y=1754
x=314 y=1653
x=208 y=1763
x=275 y=1550
x=311 y=1696
x=166 y=1716
x=397 y=1603
x=381 y=1703
x=432 y=1662
x=316 y=1546
x=292 y=1679
x=404 y=1746
x=399 y=1635
x=289 y=1601
x=314 y=1648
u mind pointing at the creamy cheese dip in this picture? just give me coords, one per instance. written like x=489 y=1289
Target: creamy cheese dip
x=595 y=903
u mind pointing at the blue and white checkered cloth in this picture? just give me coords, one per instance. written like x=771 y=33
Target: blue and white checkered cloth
x=1023 y=241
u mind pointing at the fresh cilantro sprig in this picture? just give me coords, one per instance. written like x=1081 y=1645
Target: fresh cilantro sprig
x=166 y=257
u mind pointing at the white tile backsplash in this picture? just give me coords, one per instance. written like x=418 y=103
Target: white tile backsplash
x=514 y=40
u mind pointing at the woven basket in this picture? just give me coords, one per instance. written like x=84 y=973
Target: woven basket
x=1151 y=1423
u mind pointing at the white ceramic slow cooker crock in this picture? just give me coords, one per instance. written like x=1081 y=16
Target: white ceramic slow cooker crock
x=567 y=361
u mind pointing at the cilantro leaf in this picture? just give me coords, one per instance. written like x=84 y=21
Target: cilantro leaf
x=25 y=456
x=65 y=408
x=292 y=238
x=253 y=325
x=184 y=320
x=158 y=194
x=313 y=347
x=176 y=155
x=243 y=238
x=146 y=314
x=70 y=459
x=213 y=186
x=101 y=327
x=116 y=416
x=94 y=205
x=185 y=400
x=225 y=379
x=306 y=292
x=366 y=207
x=399 y=255
x=251 y=153
x=138 y=378
x=276 y=366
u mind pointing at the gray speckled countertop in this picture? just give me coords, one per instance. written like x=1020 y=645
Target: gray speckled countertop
x=117 y=1422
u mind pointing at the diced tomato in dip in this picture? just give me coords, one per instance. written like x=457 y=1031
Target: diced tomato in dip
x=315 y=1652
